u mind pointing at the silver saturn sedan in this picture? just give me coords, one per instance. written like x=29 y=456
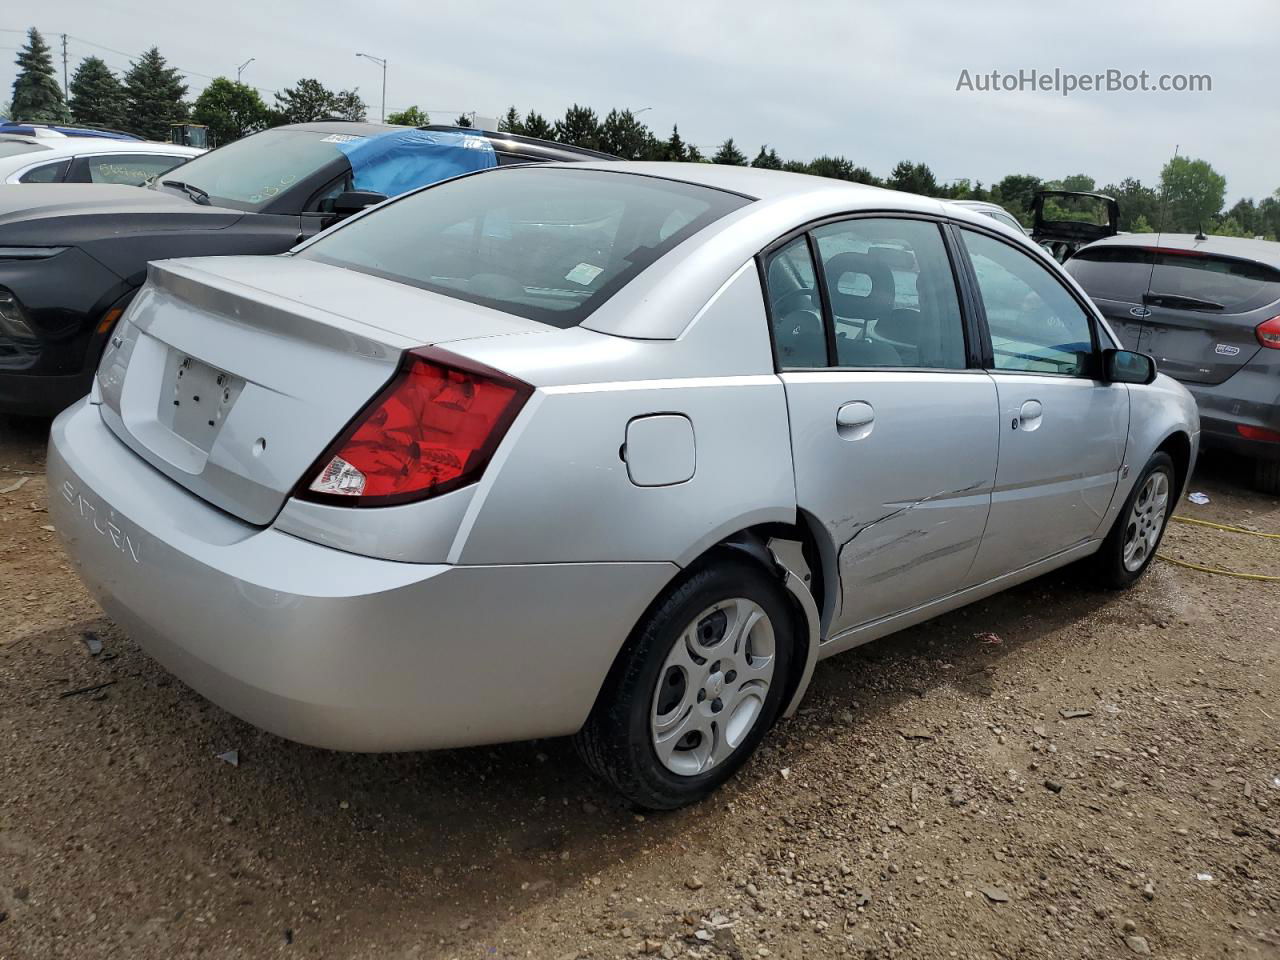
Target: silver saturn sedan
x=616 y=450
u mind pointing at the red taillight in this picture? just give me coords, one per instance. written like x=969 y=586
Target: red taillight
x=1269 y=333
x=1258 y=433
x=432 y=429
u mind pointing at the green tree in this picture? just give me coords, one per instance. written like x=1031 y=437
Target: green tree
x=840 y=168
x=1244 y=213
x=97 y=95
x=310 y=100
x=462 y=120
x=230 y=110
x=1136 y=202
x=1140 y=224
x=1268 y=222
x=579 y=127
x=674 y=149
x=913 y=178
x=1015 y=193
x=1194 y=192
x=1079 y=182
x=767 y=159
x=536 y=125
x=36 y=94
x=412 y=117
x=693 y=154
x=730 y=154
x=153 y=92
x=624 y=136
x=511 y=123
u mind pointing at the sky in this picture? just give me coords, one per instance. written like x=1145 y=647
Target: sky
x=872 y=80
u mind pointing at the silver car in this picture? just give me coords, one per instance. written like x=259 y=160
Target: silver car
x=617 y=450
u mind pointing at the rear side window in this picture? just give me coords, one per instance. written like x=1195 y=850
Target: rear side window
x=892 y=294
x=46 y=173
x=1123 y=273
x=547 y=243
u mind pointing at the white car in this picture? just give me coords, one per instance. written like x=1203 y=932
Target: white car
x=52 y=157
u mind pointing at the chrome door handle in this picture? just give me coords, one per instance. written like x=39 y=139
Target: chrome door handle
x=855 y=420
x=1029 y=416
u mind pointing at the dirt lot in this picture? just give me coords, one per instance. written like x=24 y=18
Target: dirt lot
x=931 y=800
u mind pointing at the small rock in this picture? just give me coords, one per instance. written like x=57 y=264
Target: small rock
x=1053 y=785
x=704 y=935
x=667 y=952
x=1138 y=945
x=590 y=807
x=465 y=924
x=693 y=883
x=915 y=733
x=1128 y=926
x=786 y=773
x=1074 y=714
x=752 y=890
x=995 y=894
x=1149 y=892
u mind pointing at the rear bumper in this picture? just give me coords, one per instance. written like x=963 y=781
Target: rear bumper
x=1249 y=398
x=326 y=647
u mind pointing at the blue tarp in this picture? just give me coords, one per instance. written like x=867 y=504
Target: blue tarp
x=402 y=160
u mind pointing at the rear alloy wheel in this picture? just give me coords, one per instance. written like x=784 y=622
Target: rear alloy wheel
x=698 y=685
x=1134 y=538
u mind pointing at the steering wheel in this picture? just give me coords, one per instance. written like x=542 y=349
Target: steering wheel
x=783 y=305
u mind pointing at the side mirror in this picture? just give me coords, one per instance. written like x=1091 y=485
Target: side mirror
x=353 y=201
x=1125 y=366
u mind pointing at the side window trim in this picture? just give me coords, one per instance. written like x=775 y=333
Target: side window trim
x=824 y=301
x=1086 y=308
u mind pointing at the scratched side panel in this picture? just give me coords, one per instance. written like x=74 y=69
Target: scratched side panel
x=906 y=504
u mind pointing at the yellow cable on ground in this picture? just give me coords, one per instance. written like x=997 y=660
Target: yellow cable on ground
x=1223 y=573
x=1227 y=527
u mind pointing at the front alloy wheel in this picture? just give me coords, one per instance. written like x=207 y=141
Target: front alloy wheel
x=1146 y=523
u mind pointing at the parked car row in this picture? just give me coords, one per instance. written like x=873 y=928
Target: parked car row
x=494 y=449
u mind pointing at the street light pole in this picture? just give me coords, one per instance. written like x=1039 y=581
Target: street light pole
x=382 y=63
x=240 y=69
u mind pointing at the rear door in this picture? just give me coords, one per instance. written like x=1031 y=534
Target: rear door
x=1062 y=432
x=893 y=429
x=1204 y=311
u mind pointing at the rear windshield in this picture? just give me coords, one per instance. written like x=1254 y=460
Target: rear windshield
x=1124 y=273
x=547 y=243
x=13 y=148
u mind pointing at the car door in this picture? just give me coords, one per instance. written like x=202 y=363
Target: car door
x=893 y=425
x=1062 y=432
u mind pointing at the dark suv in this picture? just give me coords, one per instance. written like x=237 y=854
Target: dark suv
x=1208 y=310
x=73 y=255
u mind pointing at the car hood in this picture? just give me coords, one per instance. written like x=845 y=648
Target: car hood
x=24 y=201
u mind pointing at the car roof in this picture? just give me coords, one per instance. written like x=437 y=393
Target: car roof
x=1241 y=248
x=55 y=147
x=529 y=147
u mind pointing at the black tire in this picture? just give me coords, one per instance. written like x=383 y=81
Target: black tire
x=616 y=743
x=1109 y=569
x=1266 y=476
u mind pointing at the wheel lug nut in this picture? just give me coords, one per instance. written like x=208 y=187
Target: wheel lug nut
x=702 y=695
x=731 y=676
x=717 y=705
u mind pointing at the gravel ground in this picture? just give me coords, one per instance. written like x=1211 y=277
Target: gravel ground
x=1054 y=772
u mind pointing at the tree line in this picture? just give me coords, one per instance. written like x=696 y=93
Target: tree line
x=1189 y=196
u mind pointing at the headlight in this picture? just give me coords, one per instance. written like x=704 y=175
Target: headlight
x=29 y=253
x=13 y=321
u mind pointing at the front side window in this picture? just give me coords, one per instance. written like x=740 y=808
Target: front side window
x=547 y=243
x=892 y=294
x=132 y=169
x=1036 y=326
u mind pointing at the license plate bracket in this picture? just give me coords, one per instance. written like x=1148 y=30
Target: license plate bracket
x=198 y=399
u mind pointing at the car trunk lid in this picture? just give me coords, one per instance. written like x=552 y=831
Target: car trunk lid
x=232 y=375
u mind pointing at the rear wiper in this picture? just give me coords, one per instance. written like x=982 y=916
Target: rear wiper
x=195 y=193
x=1179 y=302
